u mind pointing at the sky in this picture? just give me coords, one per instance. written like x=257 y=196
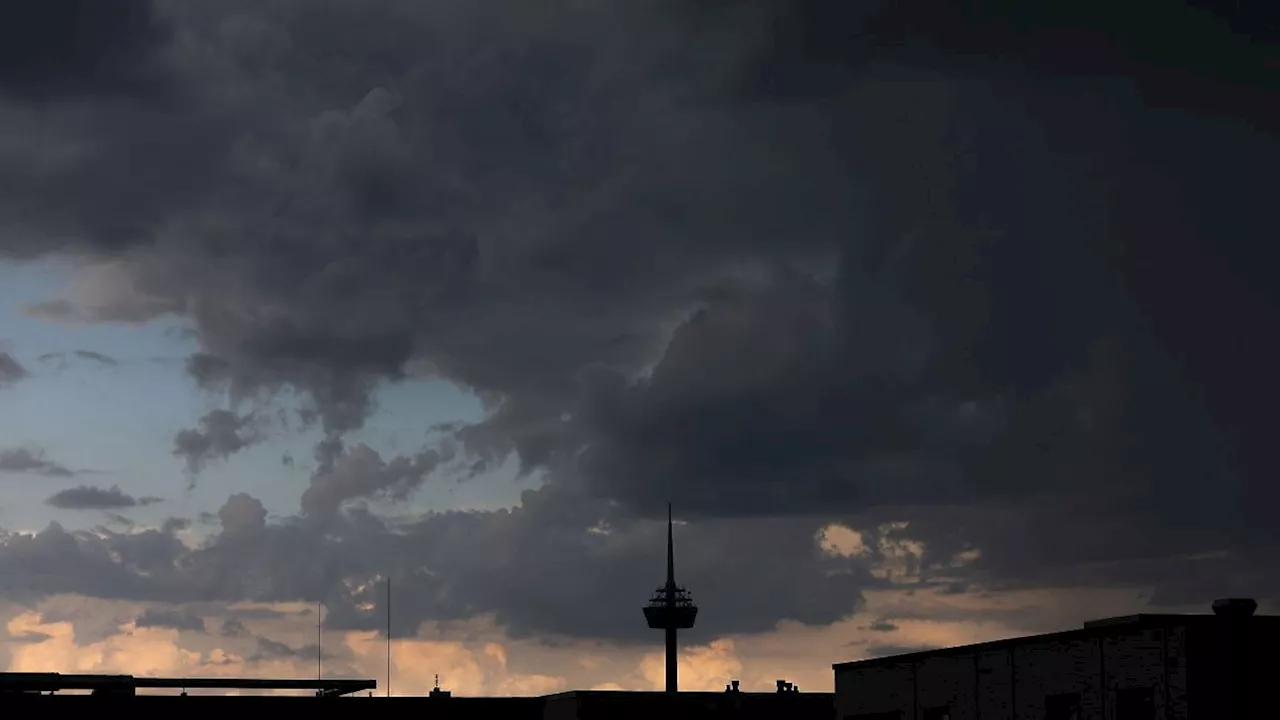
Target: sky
x=937 y=322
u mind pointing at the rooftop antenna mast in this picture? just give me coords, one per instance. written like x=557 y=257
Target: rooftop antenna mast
x=319 y=676
x=388 y=636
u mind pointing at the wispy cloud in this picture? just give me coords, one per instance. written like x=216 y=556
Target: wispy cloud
x=62 y=360
x=86 y=497
x=175 y=618
x=33 y=461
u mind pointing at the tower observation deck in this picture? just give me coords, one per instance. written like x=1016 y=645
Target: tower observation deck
x=671 y=609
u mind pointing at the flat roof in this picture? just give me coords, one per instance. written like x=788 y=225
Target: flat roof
x=21 y=681
x=1093 y=628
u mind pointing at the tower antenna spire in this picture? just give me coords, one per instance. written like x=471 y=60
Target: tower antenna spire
x=671 y=553
x=671 y=608
x=388 y=636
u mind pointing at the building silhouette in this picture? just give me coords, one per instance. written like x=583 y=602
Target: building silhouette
x=1140 y=667
x=671 y=609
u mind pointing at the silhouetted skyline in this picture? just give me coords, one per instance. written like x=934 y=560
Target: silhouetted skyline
x=939 y=320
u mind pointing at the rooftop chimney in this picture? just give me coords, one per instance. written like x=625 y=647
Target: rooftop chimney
x=1236 y=608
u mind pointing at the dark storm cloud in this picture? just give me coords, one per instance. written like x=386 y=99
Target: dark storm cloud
x=221 y=433
x=361 y=473
x=176 y=619
x=31 y=460
x=782 y=263
x=87 y=497
x=61 y=47
x=11 y=371
x=99 y=563
x=456 y=565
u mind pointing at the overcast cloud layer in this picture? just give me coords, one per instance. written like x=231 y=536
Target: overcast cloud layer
x=783 y=264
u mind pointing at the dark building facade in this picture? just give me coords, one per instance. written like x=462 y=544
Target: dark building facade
x=1140 y=667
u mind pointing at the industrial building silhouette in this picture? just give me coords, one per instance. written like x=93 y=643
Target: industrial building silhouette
x=1139 y=667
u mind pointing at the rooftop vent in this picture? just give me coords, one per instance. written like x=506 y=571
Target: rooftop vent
x=1235 y=607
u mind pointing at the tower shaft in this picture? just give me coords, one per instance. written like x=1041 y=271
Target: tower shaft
x=673 y=667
